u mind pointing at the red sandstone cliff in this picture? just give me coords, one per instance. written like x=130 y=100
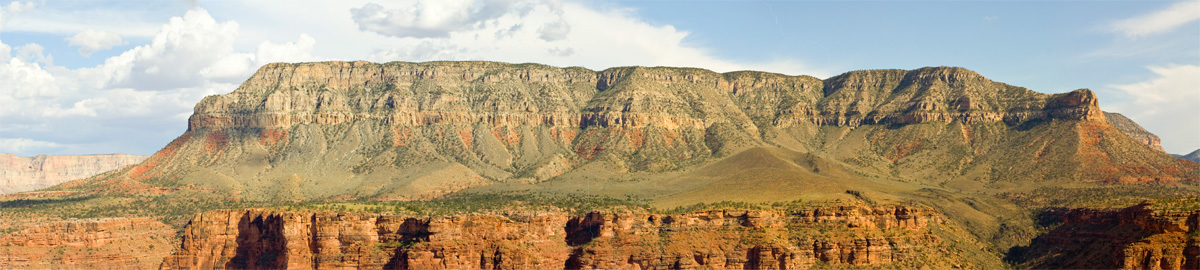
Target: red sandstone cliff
x=114 y=243
x=889 y=236
x=19 y=174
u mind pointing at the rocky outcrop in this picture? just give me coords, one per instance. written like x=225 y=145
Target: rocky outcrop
x=19 y=174
x=1135 y=131
x=888 y=236
x=1138 y=237
x=112 y=243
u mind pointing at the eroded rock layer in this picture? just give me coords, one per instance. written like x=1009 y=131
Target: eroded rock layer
x=883 y=236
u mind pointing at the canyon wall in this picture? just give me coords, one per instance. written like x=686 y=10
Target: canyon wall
x=19 y=174
x=838 y=236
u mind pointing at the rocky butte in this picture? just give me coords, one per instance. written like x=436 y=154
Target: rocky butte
x=448 y=165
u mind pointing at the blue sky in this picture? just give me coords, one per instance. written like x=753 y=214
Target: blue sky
x=93 y=76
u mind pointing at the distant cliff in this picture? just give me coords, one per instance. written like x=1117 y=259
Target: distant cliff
x=19 y=174
x=1135 y=131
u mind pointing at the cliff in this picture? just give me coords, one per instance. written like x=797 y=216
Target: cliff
x=415 y=131
x=19 y=174
x=1137 y=237
x=1135 y=131
x=839 y=236
x=110 y=243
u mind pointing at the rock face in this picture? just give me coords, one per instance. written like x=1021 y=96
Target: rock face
x=887 y=236
x=409 y=131
x=1137 y=237
x=1135 y=131
x=114 y=243
x=19 y=174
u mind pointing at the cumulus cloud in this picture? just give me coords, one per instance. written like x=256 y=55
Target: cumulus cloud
x=181 y=49
x=1160 y=21
x=1168 y=105
x=296 y=51
x=135 y=101
x=90 y=41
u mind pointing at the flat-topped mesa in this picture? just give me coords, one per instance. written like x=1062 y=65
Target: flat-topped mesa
x=396 y=130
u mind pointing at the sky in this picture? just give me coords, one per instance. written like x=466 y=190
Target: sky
x=95 y=76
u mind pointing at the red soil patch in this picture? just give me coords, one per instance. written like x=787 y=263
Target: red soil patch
x=401 y=137
x=670 y=138
x=1090 y=136
x=465 y=136
x=507 y=135
x=272 y=137
x=904 y=150
x=215 y=141
x=637 y=137
x=138 y=172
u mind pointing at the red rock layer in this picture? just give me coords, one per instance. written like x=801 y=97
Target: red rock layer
x=118 y=243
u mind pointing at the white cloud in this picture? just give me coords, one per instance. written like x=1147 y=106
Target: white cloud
x=24 y=84
x=296 y=51
x=182 y=48
x=554 y=31
x=5 y=51
x=12 y=8
x=25 y=80
x=108 y=106
x=90 y=41
x=1167 y=105
x=566 y=34
x=32 y=52
x=436 y=18
x=71 y=17
x=18 y=145
x=1161 y=21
